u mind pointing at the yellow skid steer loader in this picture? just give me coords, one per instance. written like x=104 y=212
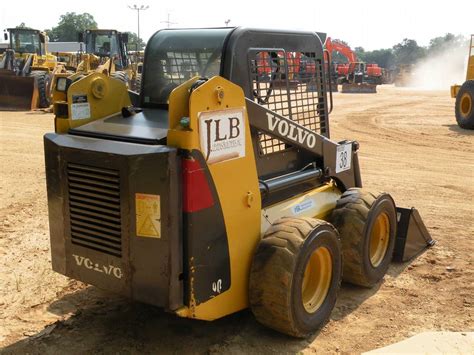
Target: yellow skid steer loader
x=219 y=191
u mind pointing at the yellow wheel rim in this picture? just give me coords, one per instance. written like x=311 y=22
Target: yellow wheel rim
x=316 y=279
x=379 y=238
x=466 y=104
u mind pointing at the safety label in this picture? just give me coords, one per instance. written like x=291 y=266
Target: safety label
x=80 y=108
x=148 y=215
x=303 y=206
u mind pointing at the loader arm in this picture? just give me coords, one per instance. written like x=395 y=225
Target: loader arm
x=340 y=160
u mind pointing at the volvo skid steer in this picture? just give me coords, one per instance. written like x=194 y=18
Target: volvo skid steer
x=219 y=190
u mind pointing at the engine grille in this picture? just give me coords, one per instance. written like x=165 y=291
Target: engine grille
x=94 y=208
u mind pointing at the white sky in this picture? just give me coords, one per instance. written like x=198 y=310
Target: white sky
x=371 y=24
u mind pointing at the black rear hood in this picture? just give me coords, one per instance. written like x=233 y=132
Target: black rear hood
x=147 y=127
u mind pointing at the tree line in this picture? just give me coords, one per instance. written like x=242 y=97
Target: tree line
x=406 y=52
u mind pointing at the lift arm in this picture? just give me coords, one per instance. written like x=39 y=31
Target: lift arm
x=340 y=160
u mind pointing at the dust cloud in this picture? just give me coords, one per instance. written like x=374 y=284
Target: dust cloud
x=440 y=71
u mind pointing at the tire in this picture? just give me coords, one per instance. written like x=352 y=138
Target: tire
x=464 y=108
x=367 y=224
x=138 y=83
x=122 y=76
x=43 y=81
x=283 y=295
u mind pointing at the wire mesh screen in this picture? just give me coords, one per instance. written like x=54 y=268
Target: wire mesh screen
x=181 y=66
x=288 y=83
x=172 y=68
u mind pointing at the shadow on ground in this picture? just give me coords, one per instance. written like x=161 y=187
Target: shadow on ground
x=457 y=129
x=105 y=323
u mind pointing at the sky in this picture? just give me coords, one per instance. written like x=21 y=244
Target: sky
x=370 y=24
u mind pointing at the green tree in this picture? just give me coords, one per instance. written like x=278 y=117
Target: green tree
x=69 y=25
x=446 y=42
x=408 y=52
x=383 y=57
x=133 y=40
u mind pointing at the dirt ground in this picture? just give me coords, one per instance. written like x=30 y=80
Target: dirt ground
x=410 y=147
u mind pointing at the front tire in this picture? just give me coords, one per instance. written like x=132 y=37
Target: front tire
x=367 y=225
x=295 y=275
x=43 y=81
x=464 y=107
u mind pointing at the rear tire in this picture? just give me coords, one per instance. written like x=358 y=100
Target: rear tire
x=464 y=108
x=295 y=275
x=138 y=83
x=367 y=225
x=43 y=81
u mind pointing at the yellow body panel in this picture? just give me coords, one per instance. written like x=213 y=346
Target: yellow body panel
x=105 y=97
x=179 y=136
x=238 y=193
x=470 y=61
x=454 y=90
x=470 y=69
x=317 y=203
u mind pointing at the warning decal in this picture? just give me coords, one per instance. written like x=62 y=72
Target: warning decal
x=80 y=108
x=148 y=215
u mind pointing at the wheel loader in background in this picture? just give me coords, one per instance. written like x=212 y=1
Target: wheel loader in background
x=26 y=70
x=105 y=56
x=464 y=94
x=218 y=191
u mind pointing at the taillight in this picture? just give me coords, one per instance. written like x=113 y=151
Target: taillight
x=197 y=194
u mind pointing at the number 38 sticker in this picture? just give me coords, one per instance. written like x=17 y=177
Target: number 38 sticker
x=344 y=157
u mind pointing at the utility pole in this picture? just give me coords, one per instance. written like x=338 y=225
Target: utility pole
x=227 y=23
x=138 y=9
x=168 y=22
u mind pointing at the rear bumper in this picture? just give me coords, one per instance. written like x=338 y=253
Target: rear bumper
x=114 y=215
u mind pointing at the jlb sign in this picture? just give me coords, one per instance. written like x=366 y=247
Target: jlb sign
x=222 y=135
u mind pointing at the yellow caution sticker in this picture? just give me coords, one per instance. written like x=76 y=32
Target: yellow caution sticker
x=148 y=215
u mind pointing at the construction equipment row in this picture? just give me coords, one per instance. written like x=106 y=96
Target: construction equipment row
x=28 y=73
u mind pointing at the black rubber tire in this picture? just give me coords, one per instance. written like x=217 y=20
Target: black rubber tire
x=138 y=83
x=122 y=76
x=465 y=121
x=43 y=81
x=354 y=217
x=276 y=276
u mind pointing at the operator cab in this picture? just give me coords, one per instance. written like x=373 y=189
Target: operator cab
x=24 y=40
x=106 y=44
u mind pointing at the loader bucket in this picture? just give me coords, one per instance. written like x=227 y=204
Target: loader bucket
x=412 y=235
x=359 y=88
x=18 y=92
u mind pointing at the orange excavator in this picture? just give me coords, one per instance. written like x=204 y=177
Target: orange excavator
x=355 y=76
